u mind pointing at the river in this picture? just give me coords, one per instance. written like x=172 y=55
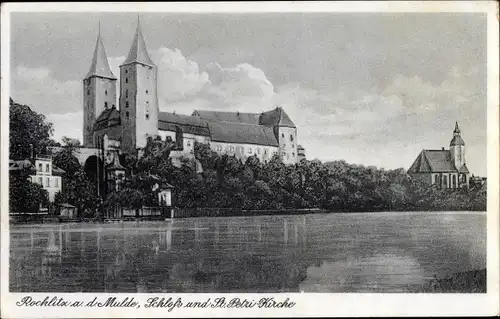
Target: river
x=348 y=252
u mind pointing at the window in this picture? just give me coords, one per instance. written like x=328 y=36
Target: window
x=106 y=105
x=47 y=168
x=249 y=150
x=284 y=154
x=88 y=92
x=47 y=182
x=147 y=115
x=219 y=148
x=231 y=148
x=265 y=152
x=293 y=154
x=258 y=151
x=188 y=143
x=126 y=71
x=40 y=180
x=126 y=115
x=126 y=93
x=283 y=135
x=40 y=167
x=113 y=106
x=106 y=92
x=291 y=137
x=147 y=92
x=56 y=182
x=445 y=181
x=126 y=103
x=126 y=80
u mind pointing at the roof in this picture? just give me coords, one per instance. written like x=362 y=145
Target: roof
x=138 y=52
x=236 y=117
x=108 y=117
x=464 y=169
x=116 y=164
x=276 y=117
x=188 y=124
x=457 y=140
x=66 y=205
x=20 y=165
x=229 y=132
x=99 y=65
x=433 y=161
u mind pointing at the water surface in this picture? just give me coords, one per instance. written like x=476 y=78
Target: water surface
x=357 y=252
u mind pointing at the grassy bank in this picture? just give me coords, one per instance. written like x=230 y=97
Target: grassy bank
x=473 y=281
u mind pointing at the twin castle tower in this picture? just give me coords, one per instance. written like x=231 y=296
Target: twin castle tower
x=138 y=99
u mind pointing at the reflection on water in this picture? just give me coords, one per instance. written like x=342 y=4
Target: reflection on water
x=383 y=252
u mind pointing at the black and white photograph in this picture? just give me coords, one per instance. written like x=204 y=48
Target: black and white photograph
x=271 y=153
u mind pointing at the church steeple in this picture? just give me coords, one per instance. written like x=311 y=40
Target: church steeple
x=138 y=52
x=457 y=139
x=100 y=66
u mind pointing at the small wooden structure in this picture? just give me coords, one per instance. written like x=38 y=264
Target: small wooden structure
x=67 y=211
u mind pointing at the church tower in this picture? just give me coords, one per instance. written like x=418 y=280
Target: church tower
x=99 y=91
x=457 y=148
x=138 y=96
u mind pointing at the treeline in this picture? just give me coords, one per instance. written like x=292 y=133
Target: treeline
x=226 y=182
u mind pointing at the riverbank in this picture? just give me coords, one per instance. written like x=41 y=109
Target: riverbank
x=473 y=281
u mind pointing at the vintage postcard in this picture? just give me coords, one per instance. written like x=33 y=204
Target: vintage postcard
x=249 y=159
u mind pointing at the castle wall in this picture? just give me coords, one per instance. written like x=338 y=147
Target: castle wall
x=244 y=151
x=287 y=139
x=98 y=94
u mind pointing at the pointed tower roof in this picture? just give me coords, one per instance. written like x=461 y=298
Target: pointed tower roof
x=138 y=52
x=457 y=139
x=100 y=66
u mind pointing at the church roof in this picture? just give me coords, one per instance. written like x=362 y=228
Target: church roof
x=99 y=65
x=108 y=117
x=274 y=117
x=464 y=169
x=138 y=52
x=457 y=140
x=430 y=161
x=188 y=124
x=230 y=132
x=236 y=117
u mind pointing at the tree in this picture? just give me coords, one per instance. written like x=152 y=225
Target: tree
x=80 y=192
x=25 y=196
x=29 y=132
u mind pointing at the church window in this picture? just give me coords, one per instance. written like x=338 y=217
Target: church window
x=126 y=114
x=126 y=103
x=291 y=137
x=106 y=92
x=126 y=80
x=445 y=181
x=106 y=105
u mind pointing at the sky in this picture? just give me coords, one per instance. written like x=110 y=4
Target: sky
x=368 y=88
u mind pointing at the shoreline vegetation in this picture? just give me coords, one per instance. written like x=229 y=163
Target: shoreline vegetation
x=221 y=185
x=472 y=281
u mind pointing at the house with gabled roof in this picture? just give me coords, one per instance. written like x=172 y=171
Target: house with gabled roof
x=444 y=168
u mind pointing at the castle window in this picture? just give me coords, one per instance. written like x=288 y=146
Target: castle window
x=291 y=137
x=106 y=105
x=126 y=103
x=126 y=93
x=147 y=92
x=188 y=143
x=126 y=71
x=147 y=115
x=126 y=80
x=283 y=135
x=126 y=115
x=106 y=92
x=265 y=152
x=88 y=92
x=293 y=154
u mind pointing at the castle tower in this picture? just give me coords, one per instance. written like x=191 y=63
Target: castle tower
x=287 y=138
x=457 y=148
x=138 y=96
x=99 y=91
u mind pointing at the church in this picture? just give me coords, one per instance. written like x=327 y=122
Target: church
x=125 y=128
x=444 y=168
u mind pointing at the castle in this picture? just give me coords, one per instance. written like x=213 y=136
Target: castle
x=125 y=128
x=444 y=168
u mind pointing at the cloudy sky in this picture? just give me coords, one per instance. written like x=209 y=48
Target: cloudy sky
x=373 y=89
